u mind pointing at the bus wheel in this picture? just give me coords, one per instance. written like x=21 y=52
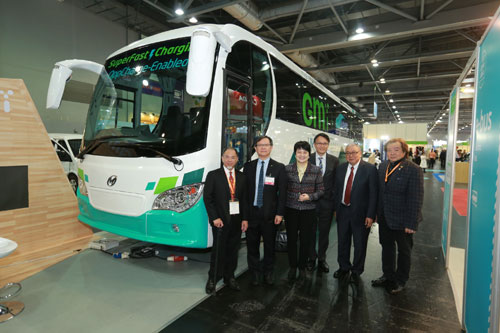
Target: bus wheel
x=73 y=181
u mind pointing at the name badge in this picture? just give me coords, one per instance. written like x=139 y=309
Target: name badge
x=234 y=207
x=269 y=181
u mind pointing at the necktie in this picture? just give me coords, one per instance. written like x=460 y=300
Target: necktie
x=347 y=195
x=231 y=185
x=321 y=165
x=260 y=187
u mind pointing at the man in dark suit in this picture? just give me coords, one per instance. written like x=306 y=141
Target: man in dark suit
x=225 y=200
x=324 y=206
x=356 y=207
x=267 y=183
x=401 y=195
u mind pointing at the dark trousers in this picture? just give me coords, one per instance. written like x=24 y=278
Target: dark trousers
x=443 y=163
x=321 y=230
x=351 y=229
x=299 y=226
x=431 y=163
x=257 y=228
x=395 y=269
x=225 y=248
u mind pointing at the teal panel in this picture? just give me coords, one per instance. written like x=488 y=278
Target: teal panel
x=156 y=226
x=192 y=177
x=166 y=183
x=150 y=186
x=86 y=178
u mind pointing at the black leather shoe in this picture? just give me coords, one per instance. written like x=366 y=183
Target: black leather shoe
x=232 y=284
x=210 y=287
x=354 y=279
x=340 y=273
x=268 y=279
x=255 y=279
x=323 y=266
x=310 y=264
x=395 y=288
x=380 y=282
x=292 y=274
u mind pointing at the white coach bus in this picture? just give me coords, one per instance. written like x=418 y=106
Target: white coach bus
x=163 y=109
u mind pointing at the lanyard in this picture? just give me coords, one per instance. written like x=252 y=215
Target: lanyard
x=387 y=173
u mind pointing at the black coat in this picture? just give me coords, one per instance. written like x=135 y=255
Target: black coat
x=364 y=191
x=332 y=163
x=402 y=197
x=217 y=195
x=274 y=195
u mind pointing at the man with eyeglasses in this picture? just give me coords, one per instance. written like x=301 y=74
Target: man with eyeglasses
x=324 y=206
x=266 y=183
x=356 y=205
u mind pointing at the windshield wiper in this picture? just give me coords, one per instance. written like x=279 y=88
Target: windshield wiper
x=175 y=161
x=96 y=142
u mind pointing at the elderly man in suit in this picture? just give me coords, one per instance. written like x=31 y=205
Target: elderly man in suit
x=356 y=207
x=401 y=195
x=225 y=200
x=324 y=206
x=267 y=183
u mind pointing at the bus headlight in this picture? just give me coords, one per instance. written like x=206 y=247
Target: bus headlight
x=82 y=187
x=179 y=199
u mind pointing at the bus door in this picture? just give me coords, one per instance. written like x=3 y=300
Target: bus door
x=237 y=120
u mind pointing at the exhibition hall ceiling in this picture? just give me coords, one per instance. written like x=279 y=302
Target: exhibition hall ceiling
x=407 y=59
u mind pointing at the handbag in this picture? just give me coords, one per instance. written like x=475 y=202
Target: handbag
x=281 y=243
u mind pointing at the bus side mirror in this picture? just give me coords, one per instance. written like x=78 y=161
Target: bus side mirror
x=201 y=62
x=60 y=74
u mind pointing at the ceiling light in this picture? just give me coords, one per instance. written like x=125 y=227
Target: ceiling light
x=374 y=61
x=401 y=122
x=375 y=64
x=360 y=30
x=394 y=106
x=467 y=85
x=193 y=20
x=382 y=80
x=391 y=100
x=444 y=114
x=387 y=91
x=179 y=11
x=440 y=117
x=396 y=111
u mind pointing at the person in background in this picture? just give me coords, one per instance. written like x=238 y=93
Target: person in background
x=442 y=158
x=410 y=153
x=305 y=187
x=401 y=196
x=432 y=158
x=324 y=206
x=225 y=201
x=266 y=179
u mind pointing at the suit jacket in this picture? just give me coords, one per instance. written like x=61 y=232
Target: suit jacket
x=401 y=198
x=217 y=195
x=364 y=191
x=311 y=184
x=332 y=163
x=274 y=195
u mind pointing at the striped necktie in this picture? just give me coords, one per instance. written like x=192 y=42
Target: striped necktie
x=260 y=187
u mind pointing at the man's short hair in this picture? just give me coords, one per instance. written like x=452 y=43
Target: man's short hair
x=262 y=137
x=323 y=135
x=352 y=144
x=230 y=148
x=402 y=142
x=302 y=145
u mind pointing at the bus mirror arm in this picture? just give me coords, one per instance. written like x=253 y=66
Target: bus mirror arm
x=62 y=73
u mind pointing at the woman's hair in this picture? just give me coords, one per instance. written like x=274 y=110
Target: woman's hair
x=302 y=145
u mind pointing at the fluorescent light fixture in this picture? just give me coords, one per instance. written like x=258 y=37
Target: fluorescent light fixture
x=374 y=61
x=145 y=83
x=467 y=85
x=444 y=114
x=193 y=20
x=387 y=91
x=360 y=30
x=394 y=106
x=396 y=111
x=179 y=11
x=391 y=100
x=440 y=118
x=375 y=64
x=382 y=80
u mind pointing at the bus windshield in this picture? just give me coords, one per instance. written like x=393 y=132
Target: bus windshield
x=141 y=99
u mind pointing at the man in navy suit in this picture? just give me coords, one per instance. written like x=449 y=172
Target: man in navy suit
x=356 y=207
x=401 y=195
x=225 y=200
x=325 y=205
x=267 y=183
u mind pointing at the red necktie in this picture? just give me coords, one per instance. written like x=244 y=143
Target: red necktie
x=347 y=195
x=231 y=185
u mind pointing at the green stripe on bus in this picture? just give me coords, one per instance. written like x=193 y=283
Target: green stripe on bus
x=166 y=183
x=150 y=186
x=193 y=177
x=80 y=173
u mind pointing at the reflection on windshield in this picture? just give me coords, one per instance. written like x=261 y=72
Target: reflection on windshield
x=141 y=98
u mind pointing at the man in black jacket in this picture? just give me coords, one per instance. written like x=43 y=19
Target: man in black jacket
x=401 y=195
x=225 y=200
x=266 y=179
x=324 y=206
x=356 y=206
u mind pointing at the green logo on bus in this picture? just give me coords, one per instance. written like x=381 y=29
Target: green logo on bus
x=315 y=112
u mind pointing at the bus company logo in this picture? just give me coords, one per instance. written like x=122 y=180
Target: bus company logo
x=147 y=55
x=112 y=180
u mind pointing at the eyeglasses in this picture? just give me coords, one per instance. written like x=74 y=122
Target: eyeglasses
x=263 y=145
x=352 y=153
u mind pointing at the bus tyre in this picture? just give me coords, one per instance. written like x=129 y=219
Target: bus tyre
x=73 y=181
